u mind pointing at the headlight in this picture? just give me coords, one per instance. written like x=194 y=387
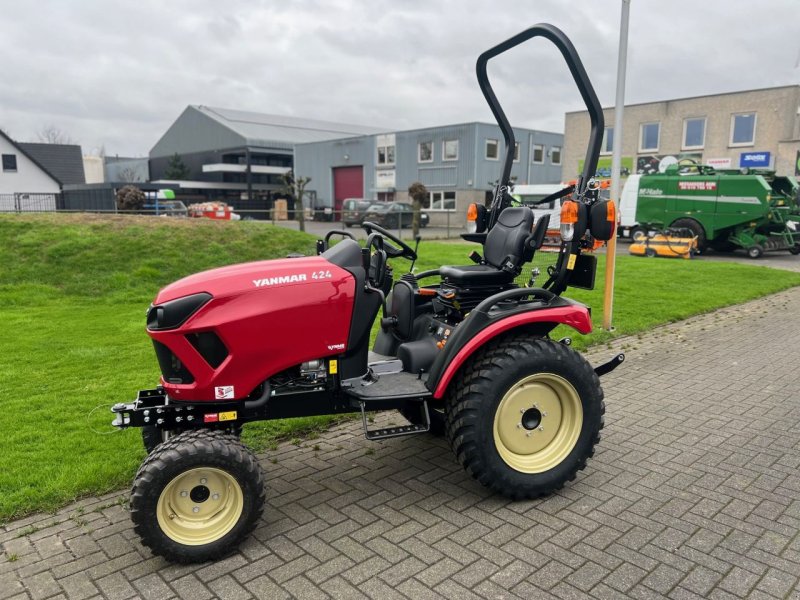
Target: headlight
x=174 y=313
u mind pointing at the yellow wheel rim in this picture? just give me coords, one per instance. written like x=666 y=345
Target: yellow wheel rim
x=200 y=506
x=537 y=423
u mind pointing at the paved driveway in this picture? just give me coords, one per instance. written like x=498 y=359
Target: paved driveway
x=694 y=493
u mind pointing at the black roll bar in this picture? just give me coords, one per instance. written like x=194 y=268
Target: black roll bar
x=575 y=65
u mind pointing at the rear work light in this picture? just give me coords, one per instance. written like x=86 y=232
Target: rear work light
x=569 y=216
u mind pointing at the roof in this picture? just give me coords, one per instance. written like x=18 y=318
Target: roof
x=769 y=89
x=33 y=159
x=259 y=129
x=64 y=162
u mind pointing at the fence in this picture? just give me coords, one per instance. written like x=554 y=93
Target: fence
x=439 y=225
x=29 y=202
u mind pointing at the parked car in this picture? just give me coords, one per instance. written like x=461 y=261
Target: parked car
x=392 y=215
x=353 y=210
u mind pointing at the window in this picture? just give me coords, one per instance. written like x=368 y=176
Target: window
x=440 y=201
x=694 y=133
x=648 y=138
x=608 y=141
x=492 y=150
x=555 y=155
x=9 y=162
x=743 y=129
x=450 y=150
x=425 y=152
x=516 y=151
x=538 y=153
x=385 y=155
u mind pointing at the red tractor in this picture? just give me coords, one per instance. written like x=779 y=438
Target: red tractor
x=467 y=355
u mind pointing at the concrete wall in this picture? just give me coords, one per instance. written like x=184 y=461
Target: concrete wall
x=777 y=120
x=28 y=178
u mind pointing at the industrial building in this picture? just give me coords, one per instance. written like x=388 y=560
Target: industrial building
x=748 y=129
x=459 y=164
x=236 y=156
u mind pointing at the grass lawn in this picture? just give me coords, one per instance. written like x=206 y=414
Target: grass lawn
x=74 y=290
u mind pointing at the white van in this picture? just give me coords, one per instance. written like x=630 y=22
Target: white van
x=627 y=208
x=528 y=194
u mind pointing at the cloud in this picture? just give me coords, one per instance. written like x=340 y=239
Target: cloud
x=119 y=74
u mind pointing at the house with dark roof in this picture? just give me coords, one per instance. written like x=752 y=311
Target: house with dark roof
x=62 y=161
x=237 y=156
x=25 y=184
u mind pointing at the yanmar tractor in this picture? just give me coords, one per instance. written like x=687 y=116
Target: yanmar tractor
x=462 y=350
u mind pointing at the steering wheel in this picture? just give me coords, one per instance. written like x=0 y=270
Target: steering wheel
x=404 y=250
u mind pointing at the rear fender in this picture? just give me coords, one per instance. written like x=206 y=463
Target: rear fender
x=483 y=325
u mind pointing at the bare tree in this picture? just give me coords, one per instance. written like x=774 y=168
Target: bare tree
x=128 y=175
x=296 y=188
x=418 y=193
x=130 y=198
x=50 y=134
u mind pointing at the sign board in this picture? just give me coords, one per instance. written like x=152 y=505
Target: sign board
x=385 y=179
x=754 y=159
x=720 y=163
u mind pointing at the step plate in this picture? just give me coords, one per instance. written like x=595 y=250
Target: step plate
x=391 y=432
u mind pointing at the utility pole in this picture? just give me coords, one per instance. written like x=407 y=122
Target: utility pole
x=616 y=164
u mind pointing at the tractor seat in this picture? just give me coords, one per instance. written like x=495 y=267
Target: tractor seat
x=503 y=252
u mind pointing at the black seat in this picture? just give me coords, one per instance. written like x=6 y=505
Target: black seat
x=503 y=252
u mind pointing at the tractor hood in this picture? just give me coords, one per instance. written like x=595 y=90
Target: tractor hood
x=264 y=275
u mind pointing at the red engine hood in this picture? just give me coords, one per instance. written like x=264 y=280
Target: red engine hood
x=248 y=277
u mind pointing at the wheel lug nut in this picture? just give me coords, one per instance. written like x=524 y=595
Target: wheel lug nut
x=184 y=493
x=203 y=480
x=196 y=509
x=544 y=414
x=528 y=434
x=521 y=411
x=215 y=497
x=541 y=428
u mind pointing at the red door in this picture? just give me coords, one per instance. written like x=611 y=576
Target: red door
x=348 y=182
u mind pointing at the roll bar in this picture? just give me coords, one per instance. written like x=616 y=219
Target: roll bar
x=561 y=41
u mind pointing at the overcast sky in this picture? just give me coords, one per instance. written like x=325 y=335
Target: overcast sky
x=118 y=73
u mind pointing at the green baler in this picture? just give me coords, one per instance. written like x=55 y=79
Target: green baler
x=725 y=209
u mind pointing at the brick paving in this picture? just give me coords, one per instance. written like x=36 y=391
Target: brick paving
x=694 y=493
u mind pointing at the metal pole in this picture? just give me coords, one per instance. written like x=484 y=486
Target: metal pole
x=616 y=163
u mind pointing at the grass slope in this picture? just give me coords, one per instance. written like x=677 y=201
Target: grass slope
x=74 y=289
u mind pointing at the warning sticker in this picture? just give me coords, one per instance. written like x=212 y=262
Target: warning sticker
x=571 y=262
x=333 y=367
x=227 y=416
x=223 y=392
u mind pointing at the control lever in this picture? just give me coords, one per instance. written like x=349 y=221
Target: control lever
x=416 y=247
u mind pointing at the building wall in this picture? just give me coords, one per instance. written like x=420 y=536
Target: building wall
x=28 y=178
x=777 y=120
x=471 y=176
x=194 y=132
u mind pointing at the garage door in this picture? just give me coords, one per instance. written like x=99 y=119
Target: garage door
x=348 y=182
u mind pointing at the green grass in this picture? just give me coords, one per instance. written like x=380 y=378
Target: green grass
x=74 y=290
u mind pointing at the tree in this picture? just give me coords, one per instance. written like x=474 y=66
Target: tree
x=128 y=175
x=295 y=187
x=130 y=198
x=50 y=134
x=418 y=193
x=176 y=169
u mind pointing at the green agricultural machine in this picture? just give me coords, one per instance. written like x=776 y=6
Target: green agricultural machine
x=726 y=209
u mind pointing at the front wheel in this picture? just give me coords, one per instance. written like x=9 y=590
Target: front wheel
x=755 y=251
x=525 y=416
x=197 y=496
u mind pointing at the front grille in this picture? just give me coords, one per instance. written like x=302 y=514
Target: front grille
x=172 y=368
x=209 y=346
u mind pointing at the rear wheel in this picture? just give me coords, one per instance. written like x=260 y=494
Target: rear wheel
x=795 y=249
x=197 y=496
x=696 y=229
x=526 y=415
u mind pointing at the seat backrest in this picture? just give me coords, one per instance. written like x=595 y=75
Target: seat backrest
x=506 y=240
